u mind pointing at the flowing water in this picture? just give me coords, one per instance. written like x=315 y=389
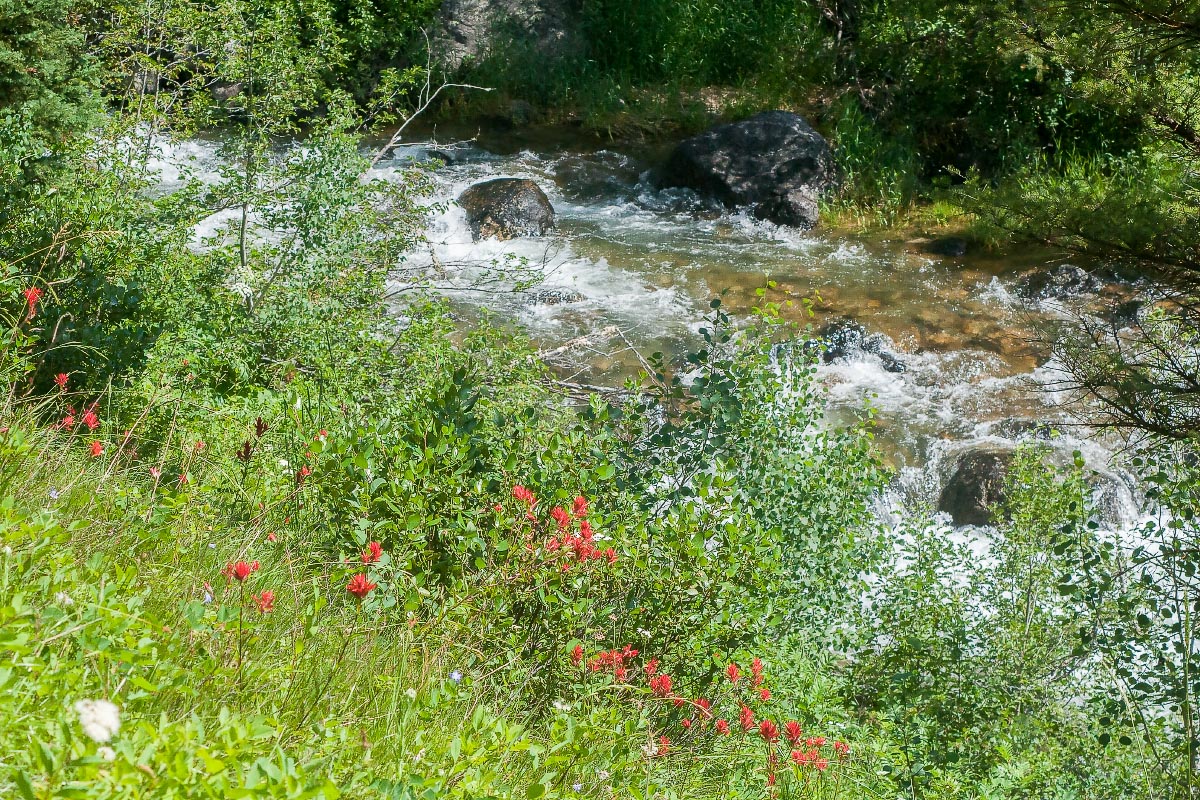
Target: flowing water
x=946 y=352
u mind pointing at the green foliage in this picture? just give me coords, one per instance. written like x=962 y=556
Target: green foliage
x=378 y=35
x=1134 y=602
x=47 y=93
x=978 y=670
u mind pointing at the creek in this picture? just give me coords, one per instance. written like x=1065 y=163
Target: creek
x=944 y=348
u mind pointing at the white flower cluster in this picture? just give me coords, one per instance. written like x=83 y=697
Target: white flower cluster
x=100 y=719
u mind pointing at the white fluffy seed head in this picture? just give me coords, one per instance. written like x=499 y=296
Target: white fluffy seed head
x=100 y=719
x=106 y=753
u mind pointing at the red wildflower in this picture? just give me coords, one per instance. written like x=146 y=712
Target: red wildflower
x=841 y=748
x=815 y=741
x=239 y=569
x=705 y=707
x=664 y=745
x=770 y=779
x=746 y=718
x=497 y=508
x=820 y=763
x=768 y=730
x=722 y=727
x=359 y=586
x=97 y=449
x=183 y=478
x=756 y=672
x=373 y=553
x=577 y=655
x=620 y=672
x=765 y=694
x=580 y=507
x=271 y=537
x=155 y=473
x=90 y=419
x=793 y=732
x=68 y=421
x=32 y=296
x=265 y=601
x=585 y=531
x=61 y=379
x=686 y=723
x=661 y=685
x=561 y=516
x=799 y=757
x=678 y=701
x=611 y=555
x=524 y=495
x=651 y=667
x=303 y=473
x=733 y=672
x=199 y=445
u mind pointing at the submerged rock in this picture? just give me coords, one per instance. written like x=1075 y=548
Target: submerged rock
x=773 y=162
x=552 y=297
x=976 y=484
x=1017 y=428
x=1059 y=283
x=950 y=246
x=505 y=208
x=1125 y=314
x=845 y=336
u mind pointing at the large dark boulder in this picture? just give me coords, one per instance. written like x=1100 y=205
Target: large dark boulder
x=773 y=162
x=505 y=208
x=976 y=485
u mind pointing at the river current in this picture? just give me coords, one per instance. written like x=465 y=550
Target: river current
x=944 y=348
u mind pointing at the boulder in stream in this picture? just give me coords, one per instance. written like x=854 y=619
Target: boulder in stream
x=843 y=337
x=976 y=484
x=773 y=162
x=948 y=246
x=505 y=208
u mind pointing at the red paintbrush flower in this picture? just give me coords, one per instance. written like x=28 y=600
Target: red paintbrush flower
x=373 y=553
x=33 y=296
x=359 y=586
x=265 y=601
